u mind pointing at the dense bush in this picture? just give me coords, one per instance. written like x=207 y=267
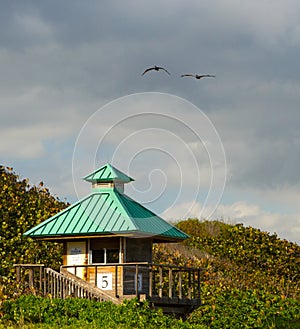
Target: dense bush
x=245 y=257
x=232 y=309
x=245 y=309
x=23 y=206
x=82 y=313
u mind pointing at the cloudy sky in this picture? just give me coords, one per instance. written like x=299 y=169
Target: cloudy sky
x=72 y=98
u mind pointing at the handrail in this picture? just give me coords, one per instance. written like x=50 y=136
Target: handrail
x=62 y=286
x=135 y=263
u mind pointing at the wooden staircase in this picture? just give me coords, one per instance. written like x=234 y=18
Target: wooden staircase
x=50 y=283
x=65 y=284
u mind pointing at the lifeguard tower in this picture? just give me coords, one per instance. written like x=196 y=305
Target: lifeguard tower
x=107 y=240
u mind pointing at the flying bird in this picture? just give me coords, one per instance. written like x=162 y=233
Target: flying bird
x=156 y=68
x=198 y=76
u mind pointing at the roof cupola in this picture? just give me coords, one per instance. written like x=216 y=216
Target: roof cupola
x=108 y=176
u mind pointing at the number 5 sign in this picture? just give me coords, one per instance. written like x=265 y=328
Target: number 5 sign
x=104 y=281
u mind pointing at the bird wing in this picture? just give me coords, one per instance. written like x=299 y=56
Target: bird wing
x=188 y=75
x=207 y=76
x=161 y=68
x=147 y=70
x=157 y=68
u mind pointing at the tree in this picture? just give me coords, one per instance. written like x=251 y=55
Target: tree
x=23 y=206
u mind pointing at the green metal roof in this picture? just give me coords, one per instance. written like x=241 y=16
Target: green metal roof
x=107 y=173
x=149 y=222
x=106 y=212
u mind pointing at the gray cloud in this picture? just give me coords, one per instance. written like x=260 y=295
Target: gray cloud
x=61 y=61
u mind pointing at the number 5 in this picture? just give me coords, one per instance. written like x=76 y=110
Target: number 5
x=104 y=283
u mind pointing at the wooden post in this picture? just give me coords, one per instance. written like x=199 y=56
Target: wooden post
x=30 y=277
x=52 y=285
x=18 y=273
x=180 y=284
x=150 y=281
x=75 y=290
x=160 y=282
x=96 y=270
x=170 y=282
x=45 y=281
x=62 y=288
x=116 y=281
x=189 y=285
x=137 y=280
x=41 y=278
x=198 y=281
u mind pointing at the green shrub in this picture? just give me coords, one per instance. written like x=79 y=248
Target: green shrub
x=245 y=257
x=80 y=313
x=224 y=308
x=233 y=308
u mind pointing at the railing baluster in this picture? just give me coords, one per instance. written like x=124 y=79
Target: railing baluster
x=116 y=281
x=189 y=284
x=150 y=281
x=18 y=273
x=61 y=287
x=180 y=284
x=160 y=290
x=41 y=278
x=55 y=284
x=52 y=285
x=137 y=280
x=30 y=278
x=96 y=270
x=198 y=286
x=45 y=280
x=170 y=282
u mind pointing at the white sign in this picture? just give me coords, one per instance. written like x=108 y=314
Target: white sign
x=76 y=256
x=104 y=281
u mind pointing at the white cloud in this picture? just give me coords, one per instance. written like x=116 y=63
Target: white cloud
x=286 y=226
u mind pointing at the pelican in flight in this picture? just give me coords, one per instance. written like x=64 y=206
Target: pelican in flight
x=156 y=68
x=198 y=76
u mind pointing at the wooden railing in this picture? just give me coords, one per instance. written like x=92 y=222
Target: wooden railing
x=30 y=277
x=58 y=285
x=45 y=281
x=159 y=283
x=168 y=283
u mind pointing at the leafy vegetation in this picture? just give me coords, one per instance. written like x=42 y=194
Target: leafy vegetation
x=23 y=206
x=236 y=308
x=250 y=278
x=82 y=313
x=232 y=309
x=245 y=257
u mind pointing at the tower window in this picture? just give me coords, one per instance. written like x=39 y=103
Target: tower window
x=104 y=256
x=98 y=256
x=112 y=256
